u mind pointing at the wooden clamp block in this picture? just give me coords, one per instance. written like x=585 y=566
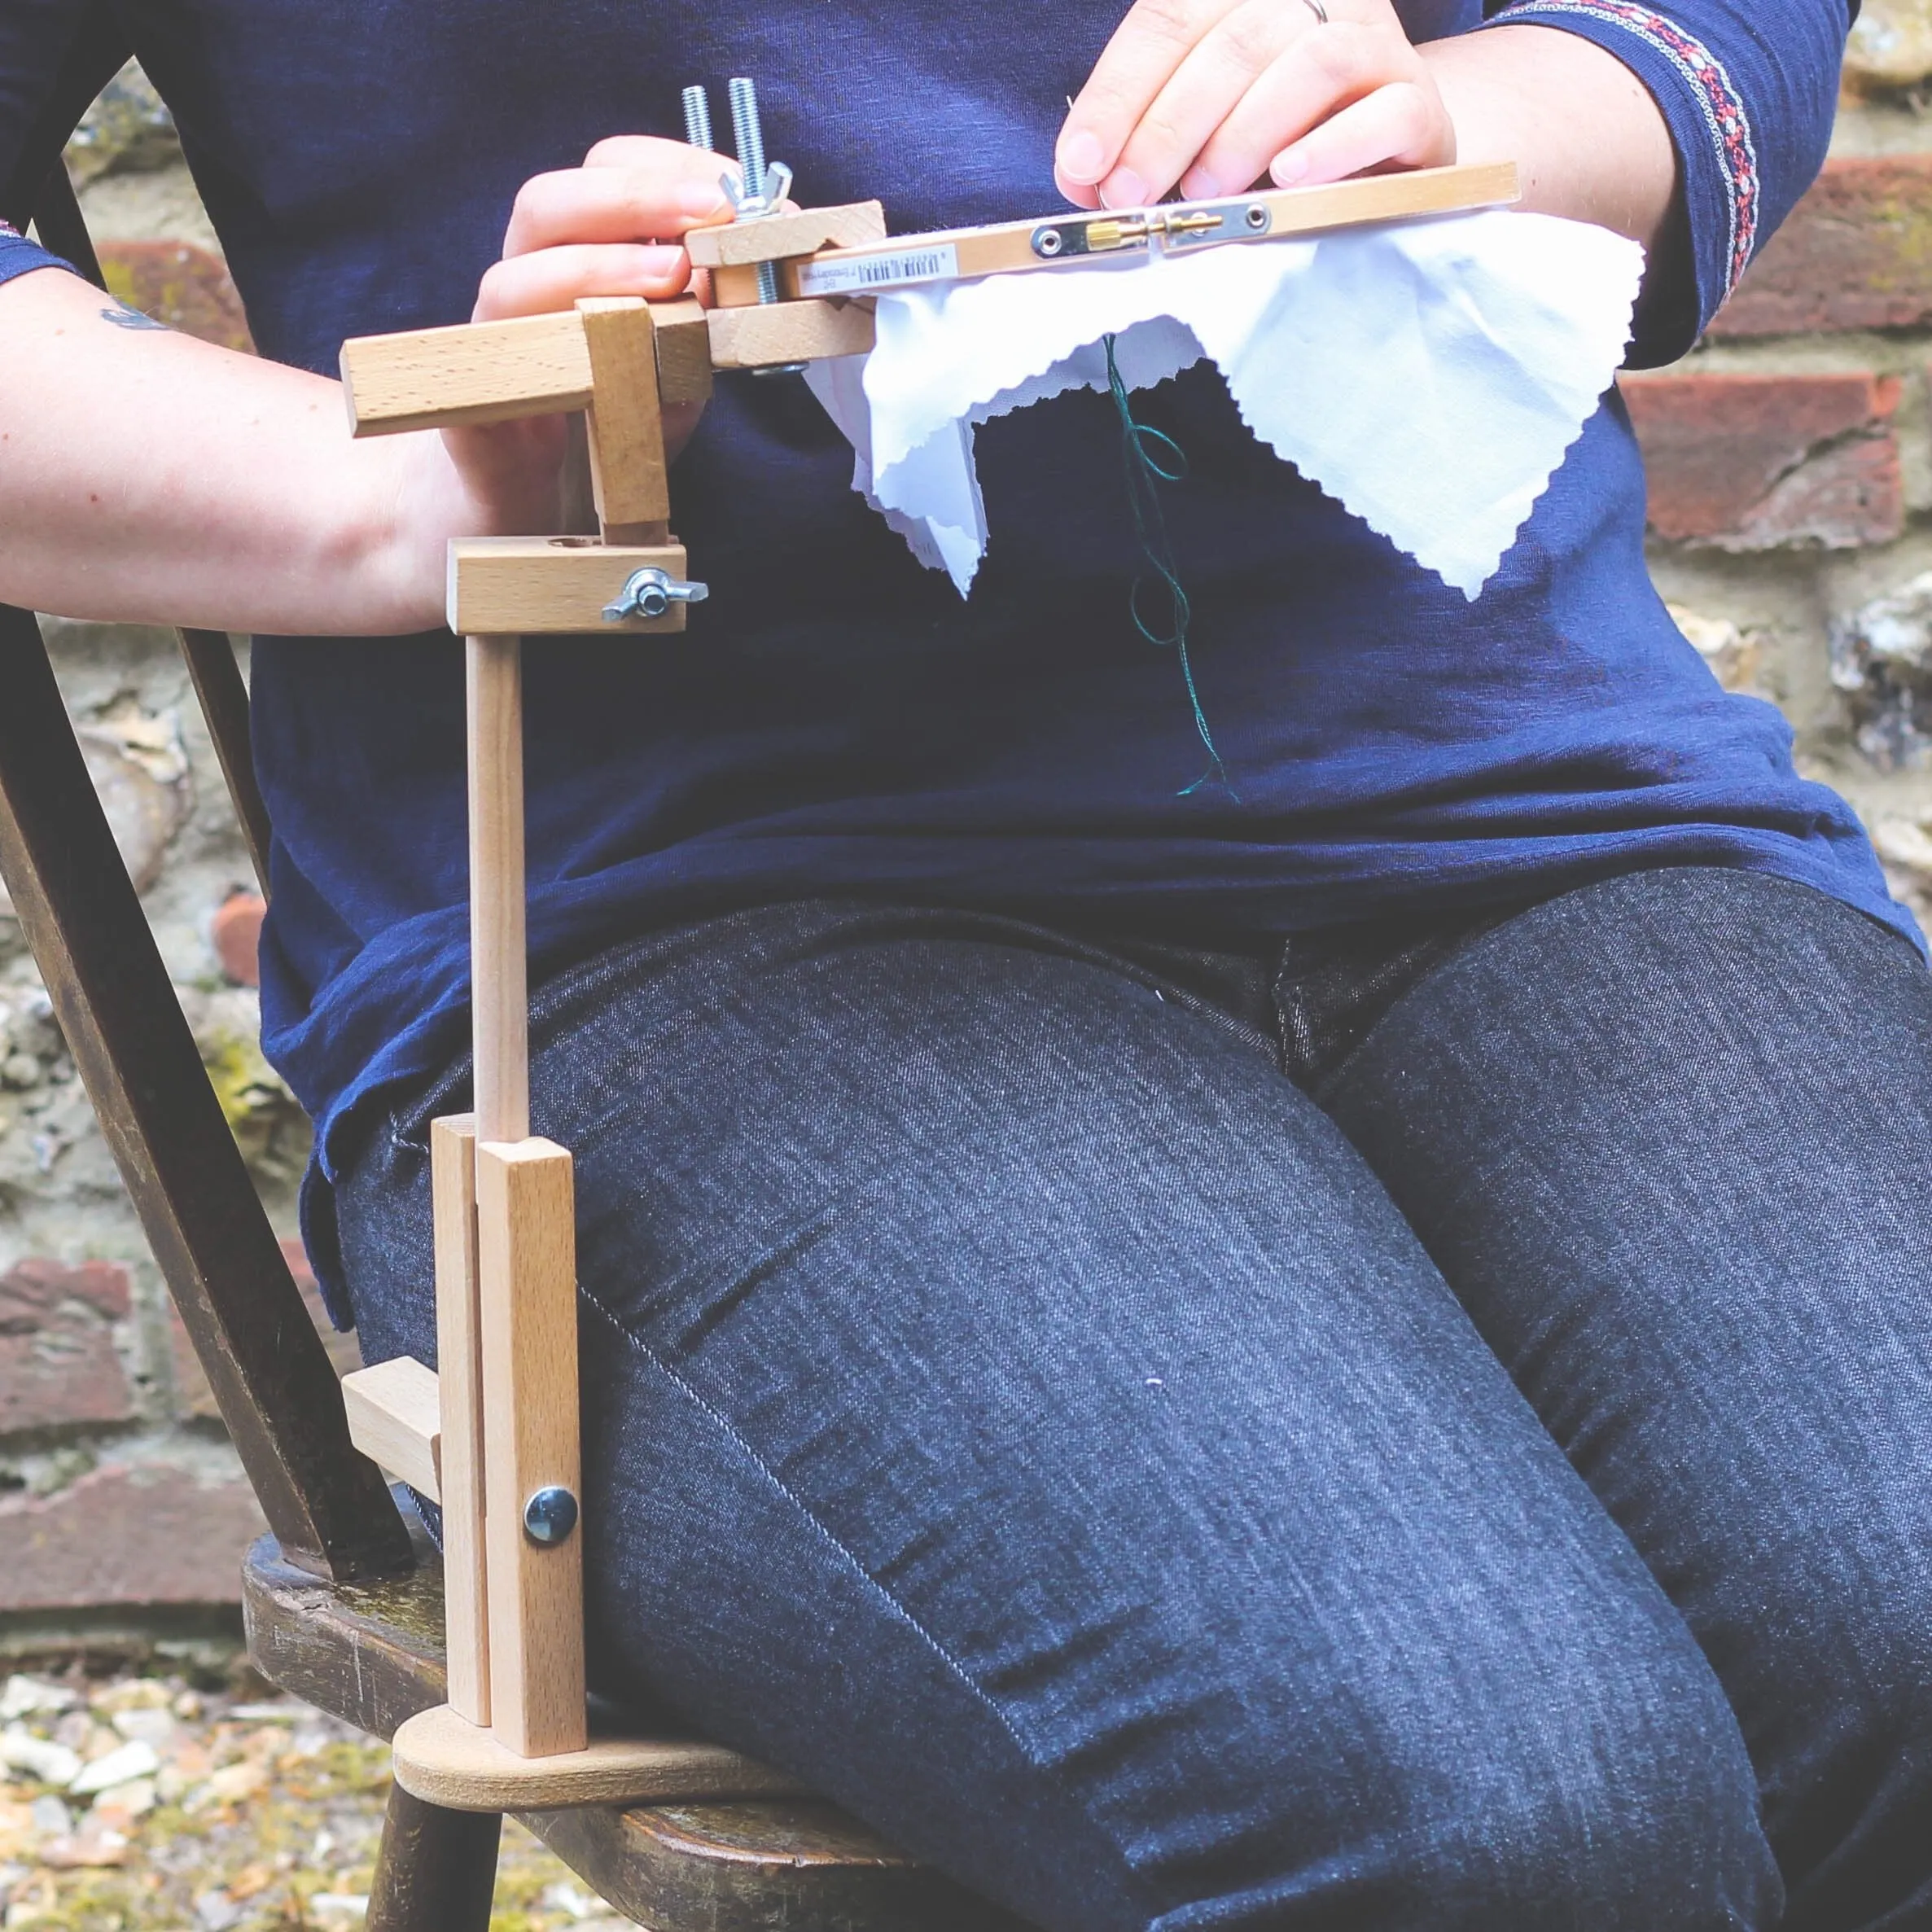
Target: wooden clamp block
x=527 y=1282
x=492 y=372
x=733 y=252
x=628 y=472
x=395 y=1419
x=445 y=1761
x=683 y=351
x=512 y=586
x=773 y=237
x=788 y=332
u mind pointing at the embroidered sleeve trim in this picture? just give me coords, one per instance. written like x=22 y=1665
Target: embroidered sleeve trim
x=1722 y=105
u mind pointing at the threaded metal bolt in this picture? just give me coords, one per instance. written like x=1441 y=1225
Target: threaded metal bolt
x=696 y=117
x=748 y=133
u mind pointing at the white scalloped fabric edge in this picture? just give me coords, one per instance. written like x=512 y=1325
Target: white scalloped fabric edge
x=1428 y=375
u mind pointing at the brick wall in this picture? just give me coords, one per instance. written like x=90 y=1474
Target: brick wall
x=1790 y=459
x=1791 y=504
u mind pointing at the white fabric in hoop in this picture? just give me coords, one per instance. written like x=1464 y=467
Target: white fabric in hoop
x=1428 y=374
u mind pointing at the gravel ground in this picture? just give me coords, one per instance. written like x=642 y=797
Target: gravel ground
x=147 y=1802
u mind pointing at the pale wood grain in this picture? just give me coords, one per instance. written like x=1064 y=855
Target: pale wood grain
x=1008 y=246
x=443 y=1759
x=530 y=585
x=628 y=471
x=459 y=1361
x=527 y=1274
x=845 y=226
x=498 y=982
x=394 y=1418
x=683 y=351
x=788 y=332
x=474 y=372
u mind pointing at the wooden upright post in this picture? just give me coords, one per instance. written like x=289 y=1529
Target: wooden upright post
x=628 y=470
x=499 y=984
x=525 y=1267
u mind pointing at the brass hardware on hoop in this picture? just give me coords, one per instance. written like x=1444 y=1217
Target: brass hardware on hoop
x=1185 y=224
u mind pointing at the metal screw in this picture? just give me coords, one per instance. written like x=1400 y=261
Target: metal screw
x=748 y=132
x=696 y=117
x=550 y=1516
x=650 y=593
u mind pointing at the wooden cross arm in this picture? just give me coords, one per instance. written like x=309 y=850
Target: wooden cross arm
x=540 y=365
x=492 y=372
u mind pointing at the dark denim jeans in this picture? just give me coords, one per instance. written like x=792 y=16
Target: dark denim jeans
x=1483 y=1481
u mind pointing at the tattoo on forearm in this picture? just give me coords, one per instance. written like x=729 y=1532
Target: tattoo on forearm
x=123 y=317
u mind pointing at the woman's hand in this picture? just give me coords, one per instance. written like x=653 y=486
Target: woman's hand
x=1214 y=94
x=615 y=226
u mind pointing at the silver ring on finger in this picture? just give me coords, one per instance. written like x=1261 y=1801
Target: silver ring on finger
x=1318 y=10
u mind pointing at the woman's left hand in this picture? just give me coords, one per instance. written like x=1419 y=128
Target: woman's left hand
x=1214 y=94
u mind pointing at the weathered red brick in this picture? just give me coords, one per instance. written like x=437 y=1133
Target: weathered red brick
x=57 y=1363
x=184 y=287
x=235 y=932
x=139 y=1536
x=1747 y=463
x=102 y=1285
x=1855 y=253
x=193 y=1397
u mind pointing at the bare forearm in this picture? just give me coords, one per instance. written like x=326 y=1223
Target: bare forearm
x=147 y=476
x=1584 y=131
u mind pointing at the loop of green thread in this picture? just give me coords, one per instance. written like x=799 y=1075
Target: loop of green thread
x=1145 y=473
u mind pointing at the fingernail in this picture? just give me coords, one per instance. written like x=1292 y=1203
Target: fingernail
x=1288 y=167
x=662 y=263
x=1080 y=157
x=696 y=202
x=1124 y=189
x=1200 y=186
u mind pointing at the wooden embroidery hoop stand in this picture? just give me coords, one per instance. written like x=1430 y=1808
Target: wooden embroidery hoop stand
x=494 y=1436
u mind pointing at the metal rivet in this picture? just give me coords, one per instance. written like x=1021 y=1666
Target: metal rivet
x=550 y=1515
x=1257 y=215
x=1050 y=241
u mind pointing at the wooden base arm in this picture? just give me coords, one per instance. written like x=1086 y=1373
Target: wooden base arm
x=395 y=1419
x=446 y=1761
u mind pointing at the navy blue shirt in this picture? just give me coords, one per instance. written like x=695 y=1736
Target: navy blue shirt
x=836 y=720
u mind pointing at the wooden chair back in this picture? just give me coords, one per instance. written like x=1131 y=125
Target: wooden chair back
x=326 y=1504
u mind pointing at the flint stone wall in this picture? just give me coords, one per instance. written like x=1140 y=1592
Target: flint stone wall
x=1791 y=508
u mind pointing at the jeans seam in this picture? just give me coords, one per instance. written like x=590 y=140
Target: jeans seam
x=850 y=1560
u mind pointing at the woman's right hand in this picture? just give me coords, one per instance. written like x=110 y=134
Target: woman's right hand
x=615 y=226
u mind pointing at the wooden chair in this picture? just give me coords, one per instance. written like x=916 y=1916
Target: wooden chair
x=343 y=1601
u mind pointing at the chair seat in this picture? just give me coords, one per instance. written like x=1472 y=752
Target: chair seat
x=372 y=1655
